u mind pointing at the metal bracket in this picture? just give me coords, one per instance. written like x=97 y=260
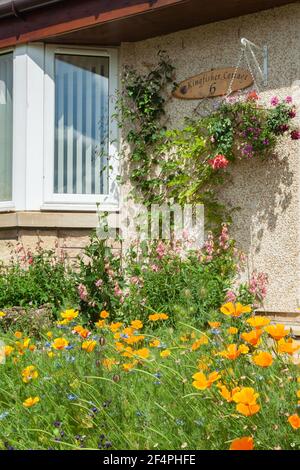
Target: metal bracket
x=264 y=71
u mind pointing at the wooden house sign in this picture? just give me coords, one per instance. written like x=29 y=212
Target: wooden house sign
x=213 y=83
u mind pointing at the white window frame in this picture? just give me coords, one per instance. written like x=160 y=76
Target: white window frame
x=7 y=206
x=79 y=202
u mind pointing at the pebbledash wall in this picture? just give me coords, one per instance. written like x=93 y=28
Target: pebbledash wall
x=267 y=225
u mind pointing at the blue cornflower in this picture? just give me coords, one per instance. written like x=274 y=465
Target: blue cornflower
x=72 y=397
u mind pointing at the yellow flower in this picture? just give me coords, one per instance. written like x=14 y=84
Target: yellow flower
x=60 y=343
x=258 y=322
x=165 y=353
x=69 y=315
x=18 y=334
x=233 y=352
x=100 y=323
x=155 y=343
x=104 y=314
x=143 y=353
x=232 y=330
x=29 y=373
x=246 y=401
x=199 y=342
x=129 y=366
x=214 y=324
x=62 y=322
x=134 y=339
x=277 y=331
x=31 y=401
x=158 y=316
x=51 y=354
x=77 y=329
x=2 y=314
x=235 y=310
x=263 y=359
x=8 y=350
x=88 y=346
x=114 y=327
x=137 y=324
x=202 y=382
x=108 y=363
x=49 y=334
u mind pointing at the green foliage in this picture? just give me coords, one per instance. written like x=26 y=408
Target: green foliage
x=193 y=283
x=34 y=279
x=141 y=109
x=98 y=275
x=88 y=400
x=179 y=164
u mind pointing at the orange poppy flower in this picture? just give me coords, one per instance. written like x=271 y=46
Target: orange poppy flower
x=88 y=346
x=263 y=359
x=114 y=327
x=232 y=330
x=136 y=324
x=246 y=401
x=199 y=342
x=233 y=351
x=60 y=343
x=294 y=421
x=277 y=331
x=227 y=394
x=287 y=347
x=253 y=337
x=104 y=314
x=143 y=353
x=155 y=343
x=214 y=324
x=129 y=366
x=84 y=333
x=165 y=353
x=258 y=322
x=202 y=383
x=235 y=310
x=243 y=443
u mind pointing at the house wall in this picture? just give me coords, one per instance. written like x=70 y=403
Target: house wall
x=267 y=226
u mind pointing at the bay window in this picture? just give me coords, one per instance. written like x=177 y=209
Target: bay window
x=6 y=126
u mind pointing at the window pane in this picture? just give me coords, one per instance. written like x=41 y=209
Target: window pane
x=6 y=90
x=81 y=124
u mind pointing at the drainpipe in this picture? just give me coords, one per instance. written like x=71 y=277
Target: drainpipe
x=17 y=7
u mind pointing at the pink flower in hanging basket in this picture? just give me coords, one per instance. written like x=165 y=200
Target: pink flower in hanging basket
x=295 y=135
x=274 y=101
x=220 y=161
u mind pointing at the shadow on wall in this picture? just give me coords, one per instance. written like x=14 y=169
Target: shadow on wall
x=260 y=192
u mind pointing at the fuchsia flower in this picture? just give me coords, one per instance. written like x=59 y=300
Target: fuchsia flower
x=230 y=296
x=224 y=237
x=220 y=161
x=154 y=267
x=274 y=101
x=288 y=99
x=82 y=291
x=99 y=283
x=160 y=250
x=295 y=135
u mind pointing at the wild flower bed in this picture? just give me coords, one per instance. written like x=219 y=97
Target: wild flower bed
x=147 y=385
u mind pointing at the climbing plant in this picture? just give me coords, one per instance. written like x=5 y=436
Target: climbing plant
x=189 y=165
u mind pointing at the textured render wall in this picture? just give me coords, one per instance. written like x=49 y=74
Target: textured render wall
x=267 y=225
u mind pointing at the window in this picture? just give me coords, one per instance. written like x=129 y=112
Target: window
x=80 y=134
x=6 y=125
